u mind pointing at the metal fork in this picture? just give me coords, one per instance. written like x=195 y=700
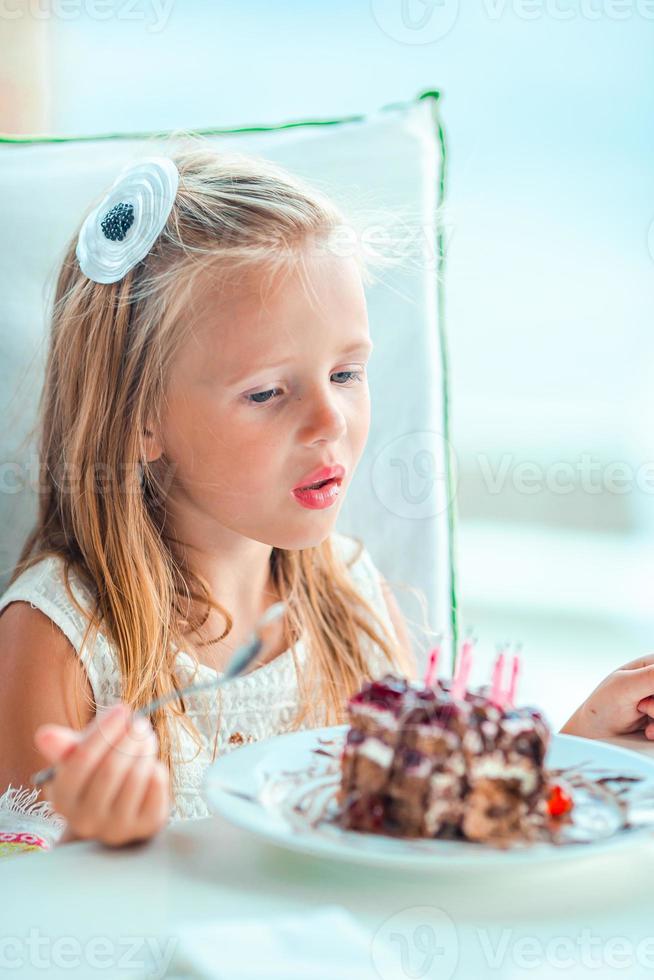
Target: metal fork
x=240 y=660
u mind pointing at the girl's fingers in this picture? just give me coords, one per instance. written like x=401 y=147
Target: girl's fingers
x=127 y=803
x=155 y=807
x=109 y=782
x=55 y=741
x=646 y=706
x=638 y=682
x=76 y=769
x=639 y=663
x=649 y=731
x=98 y=795
x=638 y=726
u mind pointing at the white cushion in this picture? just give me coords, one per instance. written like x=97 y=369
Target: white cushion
x=389 y=162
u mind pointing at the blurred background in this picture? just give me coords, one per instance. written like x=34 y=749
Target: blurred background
x=548 y=110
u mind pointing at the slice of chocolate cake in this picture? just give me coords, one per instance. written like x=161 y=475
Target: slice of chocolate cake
x=418 y=762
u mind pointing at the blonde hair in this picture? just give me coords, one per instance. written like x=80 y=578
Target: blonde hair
x=110 y=349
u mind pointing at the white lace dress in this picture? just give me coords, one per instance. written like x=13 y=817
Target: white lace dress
x=254 y=706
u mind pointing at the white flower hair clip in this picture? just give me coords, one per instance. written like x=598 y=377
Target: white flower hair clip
x=122 y=229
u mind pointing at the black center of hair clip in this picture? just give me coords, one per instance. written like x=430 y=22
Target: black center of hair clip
x=117 y=222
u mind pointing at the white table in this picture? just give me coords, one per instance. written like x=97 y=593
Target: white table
x=551 y=922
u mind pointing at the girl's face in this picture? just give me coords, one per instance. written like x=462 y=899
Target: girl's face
x=267 y=389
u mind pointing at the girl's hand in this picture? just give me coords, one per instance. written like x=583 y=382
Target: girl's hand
x=109 y=784
x=621 y=704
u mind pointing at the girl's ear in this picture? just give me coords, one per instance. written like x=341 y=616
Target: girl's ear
x=154 y=448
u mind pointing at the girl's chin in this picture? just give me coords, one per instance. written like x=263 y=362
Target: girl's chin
x=306 y=539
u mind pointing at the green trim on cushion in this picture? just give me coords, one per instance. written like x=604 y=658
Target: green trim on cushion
x=6 y=138
x=445 y=363
x=445 y=371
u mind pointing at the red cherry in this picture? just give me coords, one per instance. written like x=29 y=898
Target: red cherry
x=559 y=801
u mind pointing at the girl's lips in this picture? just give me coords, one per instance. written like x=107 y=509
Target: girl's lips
x=318 y=499
x=334 y=472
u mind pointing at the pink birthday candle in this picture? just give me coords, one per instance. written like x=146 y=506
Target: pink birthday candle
x=460 y=684
x=496 y=683
x=466 y=650
x=515 y=671
x=432 y=667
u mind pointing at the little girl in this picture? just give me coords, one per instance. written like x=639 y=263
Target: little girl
x=207 y=360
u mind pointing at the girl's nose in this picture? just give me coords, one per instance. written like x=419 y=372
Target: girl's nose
x=323 y=418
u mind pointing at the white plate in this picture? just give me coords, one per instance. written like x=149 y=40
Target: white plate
x=258 y=786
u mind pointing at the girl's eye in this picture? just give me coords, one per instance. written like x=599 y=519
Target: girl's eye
x=261 y=397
